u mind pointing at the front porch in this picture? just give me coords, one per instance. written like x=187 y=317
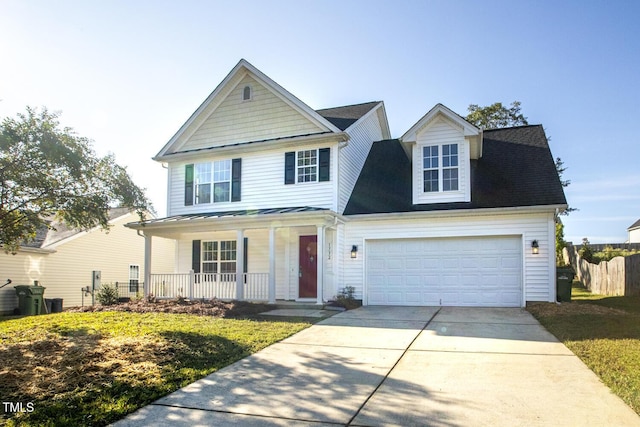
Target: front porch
x=264 y=255
x=255 y=286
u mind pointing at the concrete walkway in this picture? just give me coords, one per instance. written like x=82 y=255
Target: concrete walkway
x=405 y=366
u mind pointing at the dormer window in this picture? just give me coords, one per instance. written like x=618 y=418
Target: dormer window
x=440 y=168
x=247 y=93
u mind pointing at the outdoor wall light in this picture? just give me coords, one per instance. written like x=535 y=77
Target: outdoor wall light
x=534 y=247
x=354 y=251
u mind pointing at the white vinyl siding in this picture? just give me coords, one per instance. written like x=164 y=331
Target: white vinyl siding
x=235 y=120
x=435 y=179
x=67 y=270
x=353 y=156
x=262 y=186
x=537 y=270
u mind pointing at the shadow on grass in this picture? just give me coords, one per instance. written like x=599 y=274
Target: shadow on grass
x=85 y=378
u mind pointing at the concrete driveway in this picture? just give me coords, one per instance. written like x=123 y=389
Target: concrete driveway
x=405 y=366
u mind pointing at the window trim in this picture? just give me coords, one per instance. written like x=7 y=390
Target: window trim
x=193 y=181
x=440 y=168
x=314 y=155
x=322 y=165
x=134 y=282
x=218 y=260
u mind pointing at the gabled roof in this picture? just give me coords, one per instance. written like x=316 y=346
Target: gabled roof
x=343 y=117
x=45 y=237
x=634 y=225
x=515 y=170
x=221 y=91
x=468 y=128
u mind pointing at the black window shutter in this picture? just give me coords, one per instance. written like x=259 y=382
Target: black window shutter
x=236 y=174
x=324 y=163
x=290 y=167
x=195 y=256
x=188 y=185
x=245 y=257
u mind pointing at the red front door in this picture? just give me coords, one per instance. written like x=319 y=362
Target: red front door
x=308 y=284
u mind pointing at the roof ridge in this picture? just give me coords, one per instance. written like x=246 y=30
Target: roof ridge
x=347 y=106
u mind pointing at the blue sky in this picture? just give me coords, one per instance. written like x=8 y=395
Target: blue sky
x=128 y=74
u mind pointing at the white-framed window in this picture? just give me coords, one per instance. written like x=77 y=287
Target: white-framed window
x=222 y=181
x=440 y=168
x=202 y=179
x=307 y=165
x=212 y=182
x=218 y=256
x=134 y=278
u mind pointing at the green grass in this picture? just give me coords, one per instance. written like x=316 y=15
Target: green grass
x=604 y=332
x=94 y=368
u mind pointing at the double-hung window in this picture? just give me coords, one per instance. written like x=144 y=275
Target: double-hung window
x=219 y=256
x=203 y=183
x=307 y=165
x=440 y=168
x=212 y=182
x=221 y=181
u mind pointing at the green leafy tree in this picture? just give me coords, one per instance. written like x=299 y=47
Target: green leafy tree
x=496 y=116
x=49 y=172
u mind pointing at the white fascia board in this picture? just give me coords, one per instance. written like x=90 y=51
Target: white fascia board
x=382 y=117
x=454 y=212
x=243 y=67
x=468 y=128
x=285 y=220
x=42 y=251
x=249 y=147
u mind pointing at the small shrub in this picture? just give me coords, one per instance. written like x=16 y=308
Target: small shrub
x=107 y=294
x=346 y=299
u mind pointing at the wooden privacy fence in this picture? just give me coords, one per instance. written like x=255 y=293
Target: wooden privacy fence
x=620 y=276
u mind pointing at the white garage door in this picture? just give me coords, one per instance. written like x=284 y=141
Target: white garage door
x=472 y=271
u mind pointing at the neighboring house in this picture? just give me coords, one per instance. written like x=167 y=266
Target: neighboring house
x=634 y=232
x=62 y=261
x=269 y=199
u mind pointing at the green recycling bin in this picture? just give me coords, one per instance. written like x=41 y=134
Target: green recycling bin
x=564 y=279
x=29 y=299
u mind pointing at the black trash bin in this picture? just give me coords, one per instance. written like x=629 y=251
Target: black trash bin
x=56 y=305
x=564 y=279
x=48 y=302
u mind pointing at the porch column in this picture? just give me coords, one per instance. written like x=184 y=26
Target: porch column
x=320 y=270
x=239 y=264
x=272 y=265
x=147 y=265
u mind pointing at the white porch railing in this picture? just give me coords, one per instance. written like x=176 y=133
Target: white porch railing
x=209 y=285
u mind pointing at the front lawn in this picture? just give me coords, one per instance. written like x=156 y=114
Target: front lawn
x=604 y=332
x=94 y=368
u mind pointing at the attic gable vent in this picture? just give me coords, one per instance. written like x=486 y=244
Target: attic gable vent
x=247 y=93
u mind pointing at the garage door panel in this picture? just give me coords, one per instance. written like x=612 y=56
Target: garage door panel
x=473 y=271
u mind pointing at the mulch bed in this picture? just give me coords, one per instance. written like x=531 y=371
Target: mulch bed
x=213 y=307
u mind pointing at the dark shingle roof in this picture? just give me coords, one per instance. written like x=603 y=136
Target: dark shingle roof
x=516 y=169
x=634 y=225
x=343 y=117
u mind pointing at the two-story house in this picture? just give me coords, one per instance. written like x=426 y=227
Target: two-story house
x=269 y=199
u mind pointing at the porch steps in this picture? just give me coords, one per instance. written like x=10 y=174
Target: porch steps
x=297 y=305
